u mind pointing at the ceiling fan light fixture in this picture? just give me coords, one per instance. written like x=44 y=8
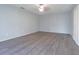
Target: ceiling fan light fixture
x=41 y=7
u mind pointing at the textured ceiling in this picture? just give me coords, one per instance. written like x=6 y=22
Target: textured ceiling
x=52 y=8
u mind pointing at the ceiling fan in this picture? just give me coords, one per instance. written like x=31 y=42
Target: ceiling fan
x=42 y=7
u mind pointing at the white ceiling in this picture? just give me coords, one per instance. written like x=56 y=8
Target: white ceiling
x=52 y=8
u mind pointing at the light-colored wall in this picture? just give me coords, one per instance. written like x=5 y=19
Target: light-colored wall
x=15 y=22
x=76 y=24
x=60 y=23
x=71 y=25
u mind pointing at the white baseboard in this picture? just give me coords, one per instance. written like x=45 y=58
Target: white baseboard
x=55 y=32
x=4 y=39
x=76 y=42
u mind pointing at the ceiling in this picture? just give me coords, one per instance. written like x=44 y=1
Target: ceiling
x=52 y=8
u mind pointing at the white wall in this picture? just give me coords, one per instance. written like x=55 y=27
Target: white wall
x=16 y=22
x=60 y=23
x=76 y=24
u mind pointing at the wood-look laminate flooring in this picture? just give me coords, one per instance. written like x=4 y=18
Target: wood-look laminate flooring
x=40 y=43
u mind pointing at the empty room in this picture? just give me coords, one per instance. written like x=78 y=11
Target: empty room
x=39 y=29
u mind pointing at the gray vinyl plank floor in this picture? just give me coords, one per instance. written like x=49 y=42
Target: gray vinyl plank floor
x=40 y=43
